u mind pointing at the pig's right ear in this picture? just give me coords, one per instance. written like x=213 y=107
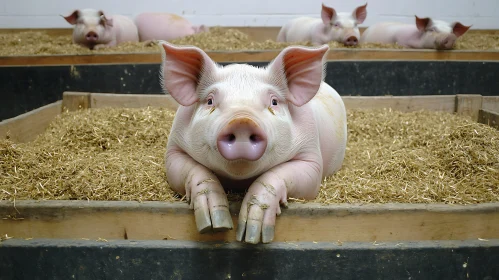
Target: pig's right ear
x=422 y=23
x=327 y=14
x=299 y=71
x=181 y=71
x=72 y=18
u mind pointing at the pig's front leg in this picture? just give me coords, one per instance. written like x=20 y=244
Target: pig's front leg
x=202 y=189
x=296 y=178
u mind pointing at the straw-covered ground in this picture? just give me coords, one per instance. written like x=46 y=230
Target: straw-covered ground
x=117 y=154
x=217 y=39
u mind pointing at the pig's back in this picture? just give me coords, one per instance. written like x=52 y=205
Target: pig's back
x=162 y=26
x=125 y=29
x=299 y=29
x=331 y=118
x=384 y=32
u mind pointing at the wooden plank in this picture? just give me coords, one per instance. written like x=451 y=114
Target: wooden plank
x=100 y=100
x=26 y=127
x=489 y=118
x=300 y=222
x=72 y=101
x=252 y=56
x=468 y=105
x=446 y=103
x=490 y=103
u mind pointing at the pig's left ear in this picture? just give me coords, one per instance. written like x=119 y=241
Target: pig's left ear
x=299 y=71
x=182 y=70
x=72 y=18
x=458 y=29
x=360 y=13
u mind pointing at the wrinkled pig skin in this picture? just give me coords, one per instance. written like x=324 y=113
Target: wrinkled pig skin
x=276 y=132
x=332 y=26
x=165 y=26
x=425 y=34
x=94 y=30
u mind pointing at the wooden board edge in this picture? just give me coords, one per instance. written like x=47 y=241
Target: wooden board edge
x=73 y=101
x=489 y=118
x=297 y=223
x=468 y=105
x=102 y=100
x=294 y=208
x=490 y=103
x=28 y=126
x=253 y=56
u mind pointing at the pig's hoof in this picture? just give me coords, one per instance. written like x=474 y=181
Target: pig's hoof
x=150 y=43
x=221 y=220
x=203 y=221
x=268 y=234
x=253 y=231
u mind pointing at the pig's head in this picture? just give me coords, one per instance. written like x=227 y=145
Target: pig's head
x=91 y=27
x=343 y=27
x=239 y=120
x=439 y=34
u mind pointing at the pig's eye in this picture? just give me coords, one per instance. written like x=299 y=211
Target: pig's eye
x=274 y=102
x=336 y=24
x=210 y=101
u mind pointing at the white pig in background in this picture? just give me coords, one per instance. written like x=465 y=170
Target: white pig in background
x=93 y=29
x=164 y=26
x=340 y=27
x=425 y=34
x=276 y=132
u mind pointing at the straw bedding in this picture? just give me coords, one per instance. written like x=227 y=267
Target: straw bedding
x=118 y=154
x=218 y=39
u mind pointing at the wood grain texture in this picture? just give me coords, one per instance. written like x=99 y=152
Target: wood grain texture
x=26 y=127
x=468 y=105
x=252 y=56
x=489 y=118
x=300 y=222
x=100 y=100
x=72 y=101
x=446 y=103
x=490 y=103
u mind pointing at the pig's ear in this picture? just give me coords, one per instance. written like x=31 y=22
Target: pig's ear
x=181 y=71
x=360 y=13
x=327 y=14
x=72 y=18
x=458 y=29
x=422 y=23
x=299 y=71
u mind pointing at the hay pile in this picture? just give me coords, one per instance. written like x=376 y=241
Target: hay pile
x=117 y=154
x=218 y=39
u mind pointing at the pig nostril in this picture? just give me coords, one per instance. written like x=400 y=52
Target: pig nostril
x=255 y=138
x=230 y=138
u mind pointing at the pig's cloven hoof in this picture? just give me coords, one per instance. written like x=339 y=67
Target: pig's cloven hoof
x=220 y=220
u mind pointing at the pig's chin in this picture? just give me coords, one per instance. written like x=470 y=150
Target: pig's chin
x=240 y=169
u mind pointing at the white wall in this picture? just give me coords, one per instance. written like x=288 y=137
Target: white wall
x=483 y=14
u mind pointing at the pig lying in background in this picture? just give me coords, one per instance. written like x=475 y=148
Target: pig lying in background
x=163 y=26
x=94 y=30
x=275 y=132
x=426 y=34
x=339 y=27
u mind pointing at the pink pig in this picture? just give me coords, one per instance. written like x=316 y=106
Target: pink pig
x=163 y=26
x=95 y=30
x=426 y=34
x=276 y=132
x=339 y=27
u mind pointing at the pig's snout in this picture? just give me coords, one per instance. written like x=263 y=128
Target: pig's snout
x=351 y=41
x=242 y=138
x=92 y=36
x=447 y=43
